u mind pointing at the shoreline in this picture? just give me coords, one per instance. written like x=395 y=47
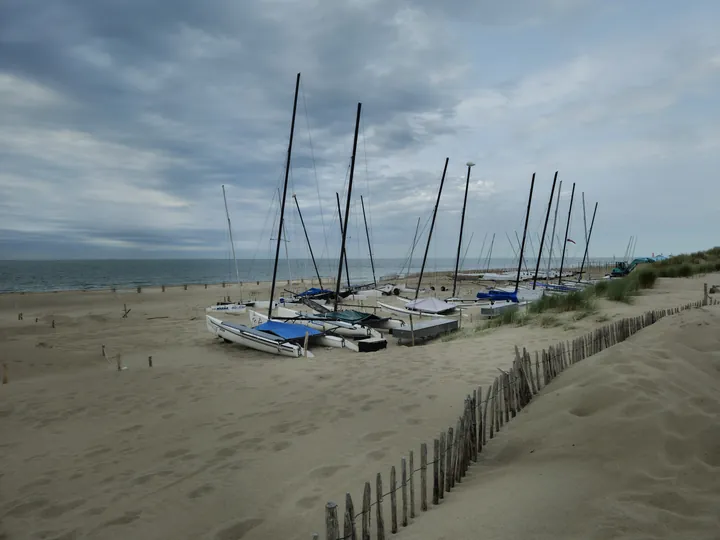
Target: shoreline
x=305 y=281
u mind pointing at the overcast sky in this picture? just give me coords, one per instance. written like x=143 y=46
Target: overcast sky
x=120 y=121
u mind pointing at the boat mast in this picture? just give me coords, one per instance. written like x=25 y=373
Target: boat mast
x=232 y=244
x=412 y=248
x=585 y=220
x=522 y=246
x=462 y=224
x=567 y=230
x=344 y=253
x=284 y=195
x=367 y=233
x=347 y=204
x=432 y=226
x=482 y=248
x=542 y=238
x=307 y=238
x=492 y=243
x=552 y=236
x=587 y=244
x=517 y=239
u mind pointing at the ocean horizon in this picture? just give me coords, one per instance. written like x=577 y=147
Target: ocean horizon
x=93 y=274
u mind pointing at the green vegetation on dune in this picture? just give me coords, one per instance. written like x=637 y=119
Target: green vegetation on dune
x=546 y=311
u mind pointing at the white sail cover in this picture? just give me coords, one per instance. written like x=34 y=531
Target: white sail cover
x=430 y=305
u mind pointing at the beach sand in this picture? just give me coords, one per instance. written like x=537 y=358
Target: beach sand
x=625 y=445
x=219 y=442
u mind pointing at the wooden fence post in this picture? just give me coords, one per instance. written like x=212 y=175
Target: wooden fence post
x=443 y=451
x=378 y=507
x=423 y=477
x=412 y=485
x=403 y=478
x=393 y=501
x=436 y=471
x=332 y=527
x=349 y=530
x=367 y=502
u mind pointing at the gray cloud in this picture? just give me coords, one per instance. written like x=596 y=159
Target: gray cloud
x=121 y=120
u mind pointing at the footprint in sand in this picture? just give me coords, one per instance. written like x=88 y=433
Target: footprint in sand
x=58 y=510
x=251 y=444
x=176 y=453
x=327 y=471
x=238 y=530
x=226 y=452
x=282 y=428
x=200 y=491
x=97 y=451
x=377 y=436
x=307 y=503
x=307 y=429
x=377 y=454
x=282 y=445
x=27 y=508
x=231 y=435
x=408 y=408
x=369 y=405
x=145 y=478
x=127 y=517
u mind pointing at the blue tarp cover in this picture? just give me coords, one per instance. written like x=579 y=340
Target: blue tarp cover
x=313 y=291
x=498 y=295
x=287 y=330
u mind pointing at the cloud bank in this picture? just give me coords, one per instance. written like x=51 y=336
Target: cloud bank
x=121 y=121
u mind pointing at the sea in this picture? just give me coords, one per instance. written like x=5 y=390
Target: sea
x=37 y=276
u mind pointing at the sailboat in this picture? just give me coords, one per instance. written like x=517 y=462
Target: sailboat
x=516 y=294
x=229 y=307
x=272 y=336
x=428 y=307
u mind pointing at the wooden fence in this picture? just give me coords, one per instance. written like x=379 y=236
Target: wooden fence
x=457 y=448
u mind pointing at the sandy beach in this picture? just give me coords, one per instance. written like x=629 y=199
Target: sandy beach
x=219 y=442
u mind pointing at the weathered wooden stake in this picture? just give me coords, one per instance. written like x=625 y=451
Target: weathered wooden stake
x=367 y=501
x=443 y=451
x=393 y=501
x=412 y=484
x=403 y=478
x=349 y=530
x=423 y=477
x=149 y=361
x=53 y=323
x=332 y=527
x=305 y=344
x=412 y=331
x=450 y=450
x=436 y=471
x=378 y=507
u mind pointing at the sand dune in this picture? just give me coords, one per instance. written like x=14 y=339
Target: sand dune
x=624 y=445
x=219 y=442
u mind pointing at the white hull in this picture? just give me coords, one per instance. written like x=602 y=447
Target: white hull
x=227 y=308
x=403 y=311
x=336 y=327
x=323 y=340
x=252 y=340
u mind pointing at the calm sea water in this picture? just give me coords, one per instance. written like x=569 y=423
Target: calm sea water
x=17 y=276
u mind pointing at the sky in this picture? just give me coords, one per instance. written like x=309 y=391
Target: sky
x=120 y=120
